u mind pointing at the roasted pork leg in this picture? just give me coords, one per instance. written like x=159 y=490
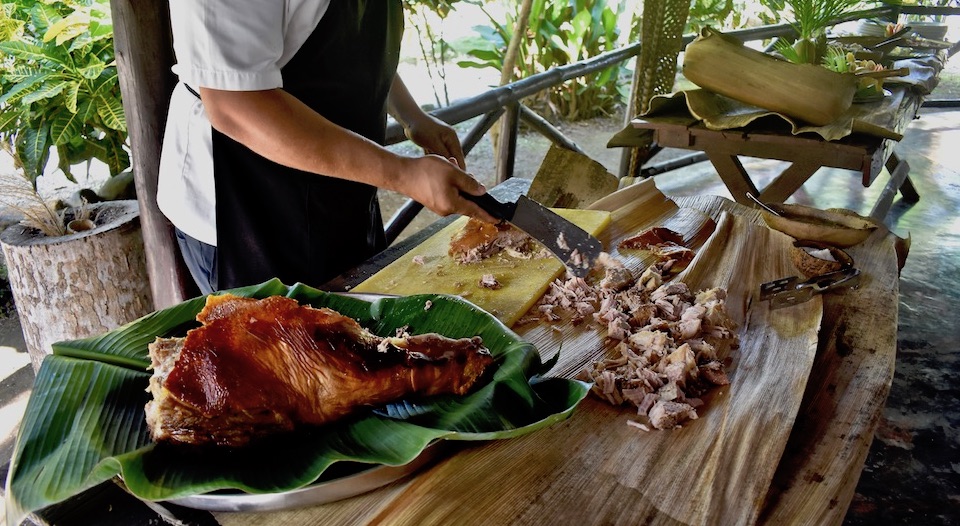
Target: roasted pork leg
x=257 y=367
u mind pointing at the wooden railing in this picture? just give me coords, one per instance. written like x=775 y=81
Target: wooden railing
x=507 y=100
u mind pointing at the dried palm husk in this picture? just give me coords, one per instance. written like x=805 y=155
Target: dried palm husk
x=840 y=228
x=809 y=92
x=715 y=470
x=813 y=258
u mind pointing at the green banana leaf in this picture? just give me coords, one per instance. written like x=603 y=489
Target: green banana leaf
x=84 y=423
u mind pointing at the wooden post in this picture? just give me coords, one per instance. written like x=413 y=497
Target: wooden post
x=144 y=50
x=507 y=143
x=505 y=139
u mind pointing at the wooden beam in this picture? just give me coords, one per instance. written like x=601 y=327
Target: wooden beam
x=144 y=50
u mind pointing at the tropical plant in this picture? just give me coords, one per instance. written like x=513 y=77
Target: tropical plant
x=558 y=33
x=810 y=20
x=428 y=17
x=727 y=15
x=60 y=87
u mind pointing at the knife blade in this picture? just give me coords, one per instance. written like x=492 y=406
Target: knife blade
x=572 y=245
x=791 y=291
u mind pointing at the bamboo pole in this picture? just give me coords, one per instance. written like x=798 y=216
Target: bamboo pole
x=506 y=142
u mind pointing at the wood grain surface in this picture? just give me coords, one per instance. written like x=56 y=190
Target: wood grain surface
x=783 y=443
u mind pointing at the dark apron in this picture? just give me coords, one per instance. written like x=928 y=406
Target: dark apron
x=274 y=221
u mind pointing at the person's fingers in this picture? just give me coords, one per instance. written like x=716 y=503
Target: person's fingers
x=456 y=162
x=469 y=208
x=473 y=187
x=455 y=150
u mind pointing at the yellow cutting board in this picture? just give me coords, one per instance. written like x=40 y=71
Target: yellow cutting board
x=523 y=281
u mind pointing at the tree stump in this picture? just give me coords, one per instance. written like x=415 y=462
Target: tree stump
x=78 y=285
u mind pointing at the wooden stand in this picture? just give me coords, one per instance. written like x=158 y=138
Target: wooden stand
x=867 y=154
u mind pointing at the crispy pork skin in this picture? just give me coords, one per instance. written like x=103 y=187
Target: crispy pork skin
x=257 y=367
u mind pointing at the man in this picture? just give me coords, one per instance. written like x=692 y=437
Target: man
x=272 y=158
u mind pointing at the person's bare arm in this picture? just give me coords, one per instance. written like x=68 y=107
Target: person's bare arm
x=426 y=131
x=279 y=127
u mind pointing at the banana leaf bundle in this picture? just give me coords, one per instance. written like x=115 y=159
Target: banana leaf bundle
x=85 y=422
x=812 y=93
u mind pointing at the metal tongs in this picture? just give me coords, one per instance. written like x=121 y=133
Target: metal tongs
x=791 y=291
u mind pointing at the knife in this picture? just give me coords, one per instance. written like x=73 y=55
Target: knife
x=791 y=291
x=571 y=244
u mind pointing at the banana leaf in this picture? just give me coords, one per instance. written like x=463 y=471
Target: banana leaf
x=84 y=423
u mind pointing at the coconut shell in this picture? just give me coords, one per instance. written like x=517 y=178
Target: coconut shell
x=810 y=265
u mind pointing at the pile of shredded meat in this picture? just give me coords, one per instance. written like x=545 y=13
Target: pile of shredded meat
x=670 y=339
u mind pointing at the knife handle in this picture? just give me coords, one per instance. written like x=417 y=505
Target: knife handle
x=502 y=211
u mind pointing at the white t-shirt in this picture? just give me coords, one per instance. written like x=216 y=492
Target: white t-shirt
x=229 y=45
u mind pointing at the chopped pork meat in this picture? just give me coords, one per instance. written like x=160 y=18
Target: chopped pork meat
x=668 y=415
x=669 y=338
x=478 y=240
x=489 y=281
x=650 y=238
x=667 y=245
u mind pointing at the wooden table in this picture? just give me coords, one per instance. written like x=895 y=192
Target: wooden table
x=560 y=475
x=565 y=474
x=808 y=152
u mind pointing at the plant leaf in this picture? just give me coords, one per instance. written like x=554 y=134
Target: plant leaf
x=33 y=147
x=9 y=116
x=21 y=89
x=111 y=111
x=71 y=96
x=66 y=124
x=113 y=154
x=24 y=51
x=47 y=90
x=64 y=162
x=93 y=69
x=86 y=415
x=68 y=27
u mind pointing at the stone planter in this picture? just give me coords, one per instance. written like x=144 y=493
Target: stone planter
x=81 y=284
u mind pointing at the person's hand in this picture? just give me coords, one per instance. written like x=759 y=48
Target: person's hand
x=435 y=137
x=437 y=184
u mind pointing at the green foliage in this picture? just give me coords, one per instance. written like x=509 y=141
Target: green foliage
x=836 y=60
x=810 y=19
x=558 y=33
x=60 y=87
x=728 y=14
x=427 y=17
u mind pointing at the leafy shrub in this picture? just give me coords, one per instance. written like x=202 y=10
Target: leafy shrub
x=558 y=33
x=729 y=14
x=60 y=87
